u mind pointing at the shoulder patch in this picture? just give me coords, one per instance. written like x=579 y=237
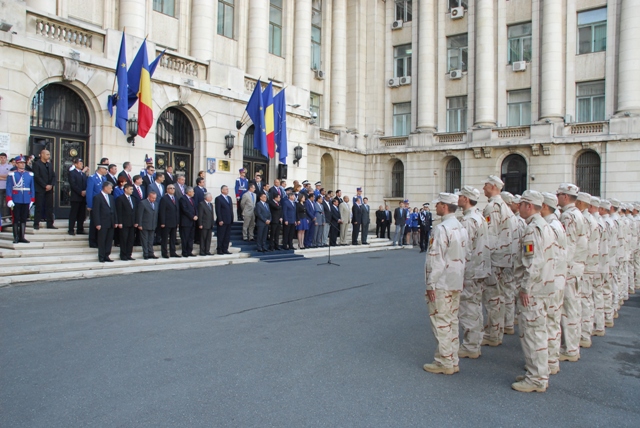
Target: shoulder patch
x=31 y=173
x=488 y=219
x=431 y=242
x=528 y=248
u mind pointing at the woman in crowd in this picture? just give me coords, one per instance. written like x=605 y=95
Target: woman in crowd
x=407 y=227
x=119 y=190
x=302 y=223
x=415 y=231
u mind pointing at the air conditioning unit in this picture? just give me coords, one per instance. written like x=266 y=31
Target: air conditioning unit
x=520 y=66
x=406 y=80
x=457 y=12
x=397 y=25
x=455 y=74
x=319 y=74
x=393 y=83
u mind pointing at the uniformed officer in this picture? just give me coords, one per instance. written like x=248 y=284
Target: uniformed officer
x=602 y=271
x=636 y=258
x=591 y=268
x=619 y=272
x=554 y=312
x=358 y=195
x=624 y=234
x=316 y=192
x=20 y=196
x=576 y=228
x=535 y=273
x=609 y=281
x=477 y=268
x=148 y=161
x=444 y=269
x=517 y=226
x=242 y=185
x=425 y=222
x=633 y=248
x=94 y=187
x=500 y=243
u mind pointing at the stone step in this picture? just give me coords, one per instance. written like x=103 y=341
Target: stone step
x=37 y=250
x=40 y=237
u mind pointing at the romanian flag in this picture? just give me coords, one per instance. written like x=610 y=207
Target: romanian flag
x=145 y=112
x=528 y=248
x=269 y=119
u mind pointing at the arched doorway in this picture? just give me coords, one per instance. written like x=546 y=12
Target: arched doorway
x=252 y=160
x=514 y=174
x=453 y=175
x=397 y=180
x=588 y=173
x=60 y=124
x=327 y=172
x=174 y=143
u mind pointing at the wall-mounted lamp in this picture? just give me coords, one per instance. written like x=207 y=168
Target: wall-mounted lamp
x=297 y=153
x=229 y=142
x=132 y=126
x=5 y=26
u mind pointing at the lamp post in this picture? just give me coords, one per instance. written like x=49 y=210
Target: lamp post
x=297 y=153
x=229 y=142
x=132 y=126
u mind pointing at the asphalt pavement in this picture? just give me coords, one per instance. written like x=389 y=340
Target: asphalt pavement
x=288 y=344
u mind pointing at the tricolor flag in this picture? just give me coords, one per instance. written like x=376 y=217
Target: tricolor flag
x=269 y=119
x=133 y=75
x=145 y=111
x=528 y=248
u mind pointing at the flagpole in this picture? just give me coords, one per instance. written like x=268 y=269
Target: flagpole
x=113 y=88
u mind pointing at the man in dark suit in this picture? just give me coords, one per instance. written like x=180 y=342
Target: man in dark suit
x=169 y=178
x=149 y=177
x=326 y=204
x=198 y=197
x=157 y=186
x=366 y=220
x=180 y=186
x=111 y=175
x=257 y=180
x=138 y=189
x=263 y=220
x=105 y=220
x=311 y=217
x=224 y=218
x=126 y=211
x=78 y=185
x=400 y=218
x=126 y=172
x=276 y=222
x=356 y=220
x=276 y=190
x=188 y=218
x=289 y=220
x=44 y=178
x=147 y=219
x=336 y=219
x=168 y=218
x=206 y=221
x=387 y=223
x=379 y=220
x=94 y=187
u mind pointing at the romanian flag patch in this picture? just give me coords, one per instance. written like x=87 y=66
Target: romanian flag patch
x=528 y=248
x=488 y=218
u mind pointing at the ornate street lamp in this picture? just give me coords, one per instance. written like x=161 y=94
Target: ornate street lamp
x=297 y=153
x=132 y=126
x=229 y=142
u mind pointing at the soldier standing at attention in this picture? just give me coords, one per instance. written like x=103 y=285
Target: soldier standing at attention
x=603 y=268
x=577 y=239
x=535 y=276
x=609 y=281
x=242 y=185
x=477 y=268
x=20 y=196
x=500 y=244
x=444 y=277
x=591 y=268
x=510 y=289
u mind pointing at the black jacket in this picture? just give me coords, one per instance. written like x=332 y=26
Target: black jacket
x=356 y=214
x=169 y=212
x=78 y=184
x=42 y=175
x=104 y=214
x=301 y=211
x=276 y=210
x=188 y=211
x=126 y=214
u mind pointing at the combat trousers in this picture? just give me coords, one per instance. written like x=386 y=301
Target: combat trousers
x=615 y=285
x=443 y=314
x=586 y=303
x=607 y=297
x=509 y=298
x=632 y=274
x=534 y=339
x=554 y=332
x=248 y=227
x=598 y=302
x=636 y=269
x=493 y=300
x=571 y=318
x=623 y=279
x=471 y=315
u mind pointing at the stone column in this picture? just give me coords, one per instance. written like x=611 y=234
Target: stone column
x=339 y=66
x=133 y=17
x=203 y=27
x=47 y=6
x=427 y=62
x=485 y=64
x=258 y=41
x=629 y=58
x=551 y=76
x=302 y=45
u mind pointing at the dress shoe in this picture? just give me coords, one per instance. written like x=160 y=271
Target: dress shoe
x=124 y=259
x=191 y=255
x=36 y=227
x=108 y=260
x=176 y=255
x=101 y=261
x=80 y=232
x=93 y=246
x=202 y=254
x=208 y=254
x=165 y=256
x=154 y=257
x=227 y=252
x=145 y=257
x=439 y=369
x=51 y=227
x=72 y=233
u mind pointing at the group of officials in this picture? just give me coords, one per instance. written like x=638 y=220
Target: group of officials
x=563 y=263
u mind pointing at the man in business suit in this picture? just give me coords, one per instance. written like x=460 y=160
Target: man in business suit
x=387 y=223
x=180 y=186
x=366 y=220
x=126 y=211
x=320 y=221
x=94 y=187
x=78 y=185
x=111 y=175
x=126 y=172
x=44 y=179
x=289 y=220
x=105 y=220
x=276 y=222
x=345 y=216
x=276 y=190
x=188 y=218
x=169 y=178
x=379 y=220
x=263 y=220
x=400 y=217
x=247 y=204
x=356 y=220
x=257 y=180
x=326 y=205
x=149 y=176
x=147 y=219
x=157 y=186
x=224 y=218
x=205 y=224
x=198 y=197
x=168 y=218
x=310 y=205
x=138 y=190
x=336 y=220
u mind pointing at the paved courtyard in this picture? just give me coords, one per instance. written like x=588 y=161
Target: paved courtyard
x=280 y=345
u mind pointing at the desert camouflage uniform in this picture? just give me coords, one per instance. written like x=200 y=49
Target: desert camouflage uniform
x=602 y=271
x=590 y=270
x=554 y=314
x=623 y=290
x=518 y=226
x=444 y=271
x=609 y=289
x=477 y=268
x=619 y=271
x=636 y=258
x=500 y=244
x=535 y=272
x=576 y=228
x=633 y=249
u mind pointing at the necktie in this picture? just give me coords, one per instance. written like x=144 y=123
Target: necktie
x=253 y=198
x=129 y=199
x=153 y=207
x=210 y=207
x=173 y=200
x=129 y=177
x=191 y=200
x=228 y=200
x=139 y=191
x=107 y=198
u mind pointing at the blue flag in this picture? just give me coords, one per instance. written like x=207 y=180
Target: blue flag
x=280 y=113
x=255 y=110
x=135 y=69
x=122 y=109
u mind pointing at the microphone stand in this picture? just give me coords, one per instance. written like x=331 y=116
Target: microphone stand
x=329 y=262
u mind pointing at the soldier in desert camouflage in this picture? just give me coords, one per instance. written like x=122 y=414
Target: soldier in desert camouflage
x=603 y=268
x=590 y=269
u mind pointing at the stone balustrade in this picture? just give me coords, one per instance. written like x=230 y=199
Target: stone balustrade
x=181 y=64
x=61 y=32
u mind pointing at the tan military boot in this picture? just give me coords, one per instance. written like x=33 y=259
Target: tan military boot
x=554 y=369
x=524 y=386
x=456 y=369
x=632 y=291
x=608 y=324
x=567 y=357
x=509 y=330
x=585 y=343
x=615 y=315
x=598 y=333
x=438 y=368
x=467 y=354
x=490 y=342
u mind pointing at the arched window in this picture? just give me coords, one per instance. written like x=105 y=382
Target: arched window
x=327 y=172
x=588 y=173
x=174 y=129
x=453 y=174
x=397 y=180
x=58 y=108
x=514 y=174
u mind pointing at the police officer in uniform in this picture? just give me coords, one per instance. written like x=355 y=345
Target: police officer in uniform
x=242 y=185
x=21 y=195
x=424 y=222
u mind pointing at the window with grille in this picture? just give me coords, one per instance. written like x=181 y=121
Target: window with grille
x=456 y=114
x=403 y=10
x=314 y=106
x=401 y=119
x=165 y=6
x=519 y=43
x=397 y=180
x=453 y=174
x=174 y=129
x=457 y=52
x=588 y=173
x=590 y=101
x=59 y=108
x=514 y=174
x=402 y=57
x=275 y=27
x=519 y=107
x=248 y=151
x=316 y=34
x=225 y=18
x=592 y=31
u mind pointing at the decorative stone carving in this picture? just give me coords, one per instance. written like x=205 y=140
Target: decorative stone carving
x=70 y=69
x=183 y=95
x=535 y=149
x=487 y=152
x=546 y=149
x=477 y=153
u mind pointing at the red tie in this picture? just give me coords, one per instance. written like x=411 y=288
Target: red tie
x=139 y=192
x=191 y=200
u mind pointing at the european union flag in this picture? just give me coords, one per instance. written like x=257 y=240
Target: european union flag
x=122 y=109
x=255 y=110
x=280 y=112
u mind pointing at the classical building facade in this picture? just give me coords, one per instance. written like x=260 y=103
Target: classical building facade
x=405 y=98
